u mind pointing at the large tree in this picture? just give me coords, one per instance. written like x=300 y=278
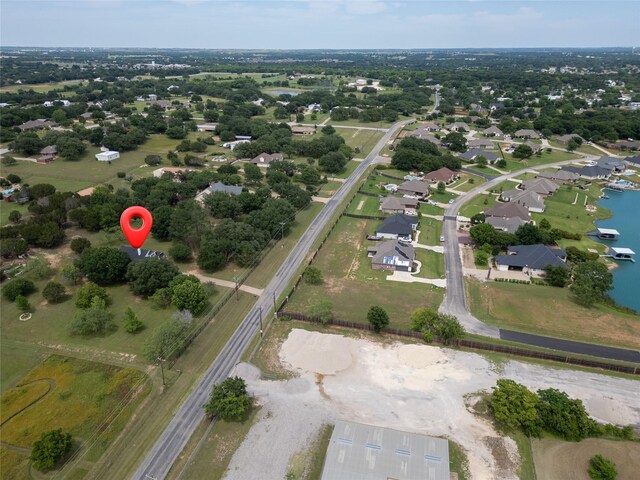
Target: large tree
x=104 y=265
x=190 y=296
x=591 y=281
x=147 y=276
x=378 y=318
x=50 y=449
x=515 y=406
x=229 y=400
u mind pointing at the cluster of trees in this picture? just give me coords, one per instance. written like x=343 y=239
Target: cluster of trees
x=52 y=447
x=422 y=155
x=433 y=324
x=514 y=406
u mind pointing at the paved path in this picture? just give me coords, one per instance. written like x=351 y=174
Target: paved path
x=351 y=127
x=410 y=277
x=226 y=283
x=164 y=452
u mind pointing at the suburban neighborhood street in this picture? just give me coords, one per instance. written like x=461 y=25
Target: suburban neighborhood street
x=173 y=439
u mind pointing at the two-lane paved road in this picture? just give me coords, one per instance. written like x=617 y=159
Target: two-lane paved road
x=173 y=439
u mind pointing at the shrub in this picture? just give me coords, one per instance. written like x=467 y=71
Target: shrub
x=321 y=310
x=23 y=304
x=229 y=400
x=95 y=320
x=38 y=269
x=601 y=468
x=19 y=286
x=378 y=318
x=181 y=252
x=80 y=244
x=131 y=322
x=15 y=216
x=54 y=292
x=88 y=292
x=313 y=276
x=121 y=174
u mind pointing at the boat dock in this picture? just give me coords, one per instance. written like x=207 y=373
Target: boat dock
x=621 y=254
x=605 y=234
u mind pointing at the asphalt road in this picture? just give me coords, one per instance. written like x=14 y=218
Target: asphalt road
x=454 y=302
x=173 y=439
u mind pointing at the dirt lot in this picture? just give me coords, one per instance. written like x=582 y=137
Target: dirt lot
x=415 y=388
x=558 y=460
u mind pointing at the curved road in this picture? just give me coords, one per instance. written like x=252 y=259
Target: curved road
x=174 y=437
x=454 y=302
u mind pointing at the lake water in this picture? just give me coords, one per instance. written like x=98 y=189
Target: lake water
x=625 y=208
x=282 y=92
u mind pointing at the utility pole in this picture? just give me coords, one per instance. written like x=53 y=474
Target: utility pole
x=282 y=224
x=237 y=287
x=161 y=360
x=275 y=309
x=260 y=321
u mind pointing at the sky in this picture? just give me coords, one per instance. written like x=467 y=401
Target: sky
x=319 y=24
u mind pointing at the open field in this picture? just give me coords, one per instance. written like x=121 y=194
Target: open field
x=432 y=263
x=373 y=380
x=442 y=197
x=329 y=188
x=352 y=286
x=6 y=208
x=349 y=168
x=464 y=184
x=365 y=205
x=72 y=394
x=551 y=311
x=478 y=204
x=430 y=230
x=354 y=122
x=39 y=87
x=365 y=140
x=570 y=460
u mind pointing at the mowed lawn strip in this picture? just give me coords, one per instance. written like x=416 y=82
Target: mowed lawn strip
x=352 y=286
x=551 y=311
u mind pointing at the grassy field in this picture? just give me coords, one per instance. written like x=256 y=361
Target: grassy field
x=478 y=204
x=559 y=459
x=72 y=394
x=432 y=263
x=365 y=140
x=442 y=197
x=545 y=158
x=365 y=205
x=223 y=440
x=551 y=311
x=349 y=168
x=353 y=286
x=464 y=184
x=430 y=231
x=6 y=208
x=329 y=188
x=39 y=87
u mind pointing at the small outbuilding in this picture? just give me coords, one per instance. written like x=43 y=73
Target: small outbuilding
x=107 y=156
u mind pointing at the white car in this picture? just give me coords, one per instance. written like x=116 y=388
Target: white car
x=442 y=238
x=451 y=201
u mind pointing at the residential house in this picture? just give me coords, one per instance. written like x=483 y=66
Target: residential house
x=531 y=259
x=392 y=255
x=37 y=124
x=172 y=170
x=613 y=164
x=399 y=205
x=164 y=104
x=51 y=103
x=503 y=224
x=535 y=148
x=414 y=187
x=526 y=133
x=527 y=198
x=264 y=159
x=565 y=139
x=87 y=115
x=560 y=176
x=493 y=132
x=471 y=155
x=47 y=154
x=140 y=253
x=423 y=135
x=633 y=161
x=398 y=226
x=303 y=130
x=591 y=172
x=459 y=127
x=429 y=127
x=314 y=107
x=496 y=106
x=442 y=175
x=480 y=143
x=107 y=156
x=233 y=145
x=218 y=187
x=542 y=186
x=509 y=210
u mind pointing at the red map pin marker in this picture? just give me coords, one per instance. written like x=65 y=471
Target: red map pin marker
x=136 y=236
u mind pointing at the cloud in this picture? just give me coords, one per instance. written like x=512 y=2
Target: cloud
x=365 y=7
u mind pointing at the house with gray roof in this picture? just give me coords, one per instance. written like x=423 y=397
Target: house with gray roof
x=633 y=161
x=218 y=187
x=425 y=135
x=526 y=133
x=509 y=225
x=496 y=106
x=414 y=187
x=531 y=259
x=392 y=255
x=543 y=186
x=527 y=198
x=613 y=164
x=492 y=132
x=480 y=143
x=398 y=226
x=472 y=154
x=560 y=176
x=391 y=204
x=591 y=172
x=429 y=127
x=565 y=139
x=443 y=175
x=264 y=159
x=509 y=210
x=37 y=124
x=459 y=127
x=535 y=148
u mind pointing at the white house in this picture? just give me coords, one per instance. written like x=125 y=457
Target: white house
x=107 y=156
x=50 y=103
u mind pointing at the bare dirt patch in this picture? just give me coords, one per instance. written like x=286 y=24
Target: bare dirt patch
x=557 y=459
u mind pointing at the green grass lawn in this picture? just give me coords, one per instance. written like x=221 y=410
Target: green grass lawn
x=365 y=205
x=551 y=311
x=485 y=170
x=442 y=197
x=349 y=168
x=430 y=230
x=365 y=140
x=40 y=87
x=432 y=263
x=430 y=209
x=6 y=208
x=478 y=204
x=354 y=122
x=545 y=158
x=353 y=286
x=373 y=182
x=83 y=395
x=329 y=188
x=467 y=182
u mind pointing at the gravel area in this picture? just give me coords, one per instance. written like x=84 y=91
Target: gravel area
x=416 y=388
